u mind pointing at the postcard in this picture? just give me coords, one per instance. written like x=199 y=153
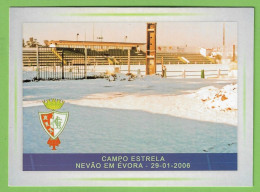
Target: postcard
x=131 y=96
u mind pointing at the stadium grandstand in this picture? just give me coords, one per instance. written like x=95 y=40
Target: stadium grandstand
x=105 y=53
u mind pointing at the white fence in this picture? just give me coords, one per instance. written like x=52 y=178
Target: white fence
x=173 y=70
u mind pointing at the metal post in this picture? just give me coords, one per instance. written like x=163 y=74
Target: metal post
x=86 y=62
x=37 y=58
x=128 y=61
x=162 y=63
x=202 y=74
x=62 y=65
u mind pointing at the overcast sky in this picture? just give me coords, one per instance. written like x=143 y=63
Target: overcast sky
x=199 y=34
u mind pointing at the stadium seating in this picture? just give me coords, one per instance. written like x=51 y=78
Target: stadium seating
x=196 y=59
x=168 y=58
x=100 y=57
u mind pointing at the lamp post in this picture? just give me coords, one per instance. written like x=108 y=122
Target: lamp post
x=77 y=36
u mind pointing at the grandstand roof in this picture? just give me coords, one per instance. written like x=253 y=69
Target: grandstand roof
x=76 y=44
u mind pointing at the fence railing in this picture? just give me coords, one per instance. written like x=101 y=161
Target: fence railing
x=188 y=73
x=62 y=63
x=57 y=63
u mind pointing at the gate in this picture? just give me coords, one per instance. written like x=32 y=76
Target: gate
x=61 y=63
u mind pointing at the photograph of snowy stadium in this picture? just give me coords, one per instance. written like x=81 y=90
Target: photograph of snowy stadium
x=146 y=87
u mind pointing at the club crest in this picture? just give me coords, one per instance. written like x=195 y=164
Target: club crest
x=53 y=122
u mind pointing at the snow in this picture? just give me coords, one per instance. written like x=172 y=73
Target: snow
x=219 y=99
x=149 y=114
x=97 y=74
x=119 y=77
x=29 y=75
x=173 y=70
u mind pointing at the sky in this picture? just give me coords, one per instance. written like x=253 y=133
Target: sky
x=192 y=34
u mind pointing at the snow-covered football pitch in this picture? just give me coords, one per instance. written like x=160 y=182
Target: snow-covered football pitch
x=147 y=115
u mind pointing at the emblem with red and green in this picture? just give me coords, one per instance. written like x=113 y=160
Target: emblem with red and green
x=53 y=122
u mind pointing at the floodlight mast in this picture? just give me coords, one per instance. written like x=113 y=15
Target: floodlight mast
x=151 y=49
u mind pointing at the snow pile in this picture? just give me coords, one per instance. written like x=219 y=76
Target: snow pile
x=109 y=70
x=121 y=77
x=220 y=99
x=29 y=75
x=131 y=77
x=95 y=75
